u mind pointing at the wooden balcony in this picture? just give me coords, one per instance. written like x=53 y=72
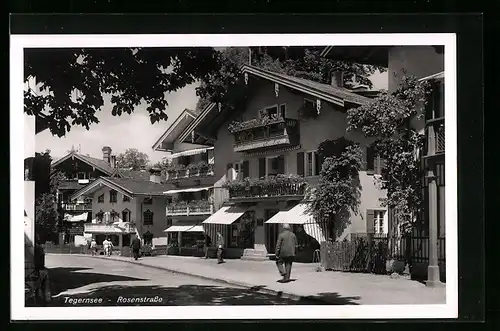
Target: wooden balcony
x=77 y=206
x=176 y=175
x=435 y=137
x=254 y=135
x=190 y=209
x=280 y=188
x=103 y=228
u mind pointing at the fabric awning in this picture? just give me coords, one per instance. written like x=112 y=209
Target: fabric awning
x=178 y=228
x=195 y=189
x=189 y=152
x=76 y=218
x=296 y=215
x=314 y=230
x=439 y=75
x=226 y=215
x=196 y=228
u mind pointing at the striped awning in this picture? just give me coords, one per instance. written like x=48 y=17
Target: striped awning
x=225 y=215
x=295 y=215
x=189 y=152
x=194 y=189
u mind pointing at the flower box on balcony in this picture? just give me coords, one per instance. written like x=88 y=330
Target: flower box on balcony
x=273 y=186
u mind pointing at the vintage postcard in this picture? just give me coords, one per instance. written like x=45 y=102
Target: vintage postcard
x=251 y=176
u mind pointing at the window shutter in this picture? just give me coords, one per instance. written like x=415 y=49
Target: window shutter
x=229 y=172
x=318 y=162
x=300 y=163
x=381 y=165
x=370 y=221
x=246 y=169
x=262 y=167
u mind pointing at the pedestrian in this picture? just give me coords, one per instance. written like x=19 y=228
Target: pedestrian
x=105 y=245
x=93 y=247
x=220 y=248
x=110 y=247
x=136 y=247
x=285 y=252
x=208 y=242
x=89 y=244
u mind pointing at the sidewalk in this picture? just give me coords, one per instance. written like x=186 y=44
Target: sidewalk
x=327 y=286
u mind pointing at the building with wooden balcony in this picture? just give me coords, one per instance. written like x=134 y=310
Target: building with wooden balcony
x=266 y=152
x=427 y=64
x=189 y=171
x=123 y=208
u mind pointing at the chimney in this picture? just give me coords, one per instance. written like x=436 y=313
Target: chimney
x=338 y=78
x=113 y=161
x=106 y=154
x=155 y=175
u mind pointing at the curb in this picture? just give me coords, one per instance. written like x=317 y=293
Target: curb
x=252 y=288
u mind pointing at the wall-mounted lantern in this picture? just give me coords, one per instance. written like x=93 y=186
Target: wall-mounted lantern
x=276 y=89
x=246 y=78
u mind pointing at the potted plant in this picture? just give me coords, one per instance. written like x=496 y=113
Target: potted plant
x=99 y=216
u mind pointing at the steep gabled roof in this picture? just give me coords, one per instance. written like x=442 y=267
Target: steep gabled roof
x=132 y=174
x=180 y=123
x=337 y=95
x=127 y=186
x=91 y=161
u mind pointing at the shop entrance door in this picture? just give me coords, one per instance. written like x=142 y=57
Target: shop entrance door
x=271 y=230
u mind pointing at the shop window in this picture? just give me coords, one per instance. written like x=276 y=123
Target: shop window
x=126 y=240
x=148 y=238
x=242 y=232
x=148 y=217
x=113 y=196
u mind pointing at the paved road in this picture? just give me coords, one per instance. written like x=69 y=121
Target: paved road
x=86 y=281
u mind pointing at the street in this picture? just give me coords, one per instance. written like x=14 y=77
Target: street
x=87 y=281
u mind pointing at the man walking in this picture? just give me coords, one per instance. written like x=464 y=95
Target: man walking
x=93 y=247
x=136 y=247
x=207 y=243
x=220 y=247
x=285 y=252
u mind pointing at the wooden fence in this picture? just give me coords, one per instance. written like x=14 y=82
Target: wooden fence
x=370 y=254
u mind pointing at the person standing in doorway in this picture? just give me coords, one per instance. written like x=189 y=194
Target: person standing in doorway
x=207 y=245
x=220 y=248
x=285 y=252
x=136 y=247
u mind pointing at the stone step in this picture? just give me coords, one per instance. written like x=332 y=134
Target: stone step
x=254 y=258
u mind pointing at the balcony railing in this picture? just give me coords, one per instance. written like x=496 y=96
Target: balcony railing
x=108 y=228
x=189 y=173
x=271 y=187
x=190 y=209
x=251 y=135
x=76 y=206
x=435 y=136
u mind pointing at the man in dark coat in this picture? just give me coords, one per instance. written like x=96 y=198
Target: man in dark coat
x=285 y=252
x=220 y=247
x=207 y=243
x=136 y=247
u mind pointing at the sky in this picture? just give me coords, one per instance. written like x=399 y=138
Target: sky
x=132 y=131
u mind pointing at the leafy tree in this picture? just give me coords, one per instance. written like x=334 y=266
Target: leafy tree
x=338 y=192
x=73 y=81
x=132 y=158
x=46 y=216
x=388 y=120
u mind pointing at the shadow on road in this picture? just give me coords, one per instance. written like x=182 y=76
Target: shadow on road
x=63 y=279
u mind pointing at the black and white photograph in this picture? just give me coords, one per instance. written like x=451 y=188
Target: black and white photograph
x=208 y=171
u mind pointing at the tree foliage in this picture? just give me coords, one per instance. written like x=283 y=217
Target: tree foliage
x=388 y=119
x=132 y=158
x=46 y=215
x=338 y=192
x=73 y=82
